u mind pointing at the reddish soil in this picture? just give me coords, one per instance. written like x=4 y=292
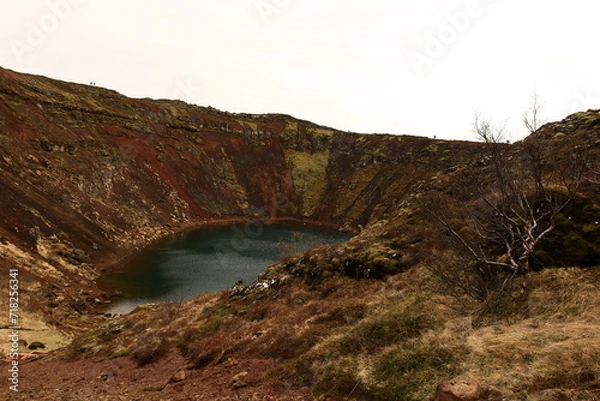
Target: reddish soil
x=122 y=379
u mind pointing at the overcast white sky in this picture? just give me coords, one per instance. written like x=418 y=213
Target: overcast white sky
x=416 y=67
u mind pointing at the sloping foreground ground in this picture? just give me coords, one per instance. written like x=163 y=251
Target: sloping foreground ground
x=368 y=340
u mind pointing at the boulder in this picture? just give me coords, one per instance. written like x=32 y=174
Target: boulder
x=460 y=388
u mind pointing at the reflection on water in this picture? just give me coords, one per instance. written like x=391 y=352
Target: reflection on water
x=183 y=266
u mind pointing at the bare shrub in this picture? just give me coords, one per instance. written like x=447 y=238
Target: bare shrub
x=172 y=310
x=490 y=240
x=151 y=349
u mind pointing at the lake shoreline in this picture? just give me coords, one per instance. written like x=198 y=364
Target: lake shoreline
x=244 y=223
x=123 y=256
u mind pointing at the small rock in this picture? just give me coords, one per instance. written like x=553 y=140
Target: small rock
x=238 y=380
x=460 y=388
x=78 y=256
x=35 y=232
x=36 y=345
x=178 y=377
x=104 y=376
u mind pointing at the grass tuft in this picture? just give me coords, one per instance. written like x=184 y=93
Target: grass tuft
x=412 y=370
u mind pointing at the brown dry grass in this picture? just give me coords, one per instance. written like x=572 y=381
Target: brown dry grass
x=556 y=345
x=385 y=340
x=552 y=346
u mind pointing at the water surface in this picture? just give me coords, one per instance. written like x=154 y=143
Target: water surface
x=183 y=266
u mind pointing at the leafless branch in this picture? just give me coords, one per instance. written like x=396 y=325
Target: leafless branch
x=531 y=117
x=498 y=233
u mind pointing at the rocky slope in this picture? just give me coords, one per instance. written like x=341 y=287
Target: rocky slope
x=89 y=177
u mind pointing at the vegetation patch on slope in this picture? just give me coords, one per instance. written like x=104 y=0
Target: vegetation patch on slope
x=310 y=181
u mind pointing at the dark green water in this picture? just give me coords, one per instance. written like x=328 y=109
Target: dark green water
x=180 y=267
